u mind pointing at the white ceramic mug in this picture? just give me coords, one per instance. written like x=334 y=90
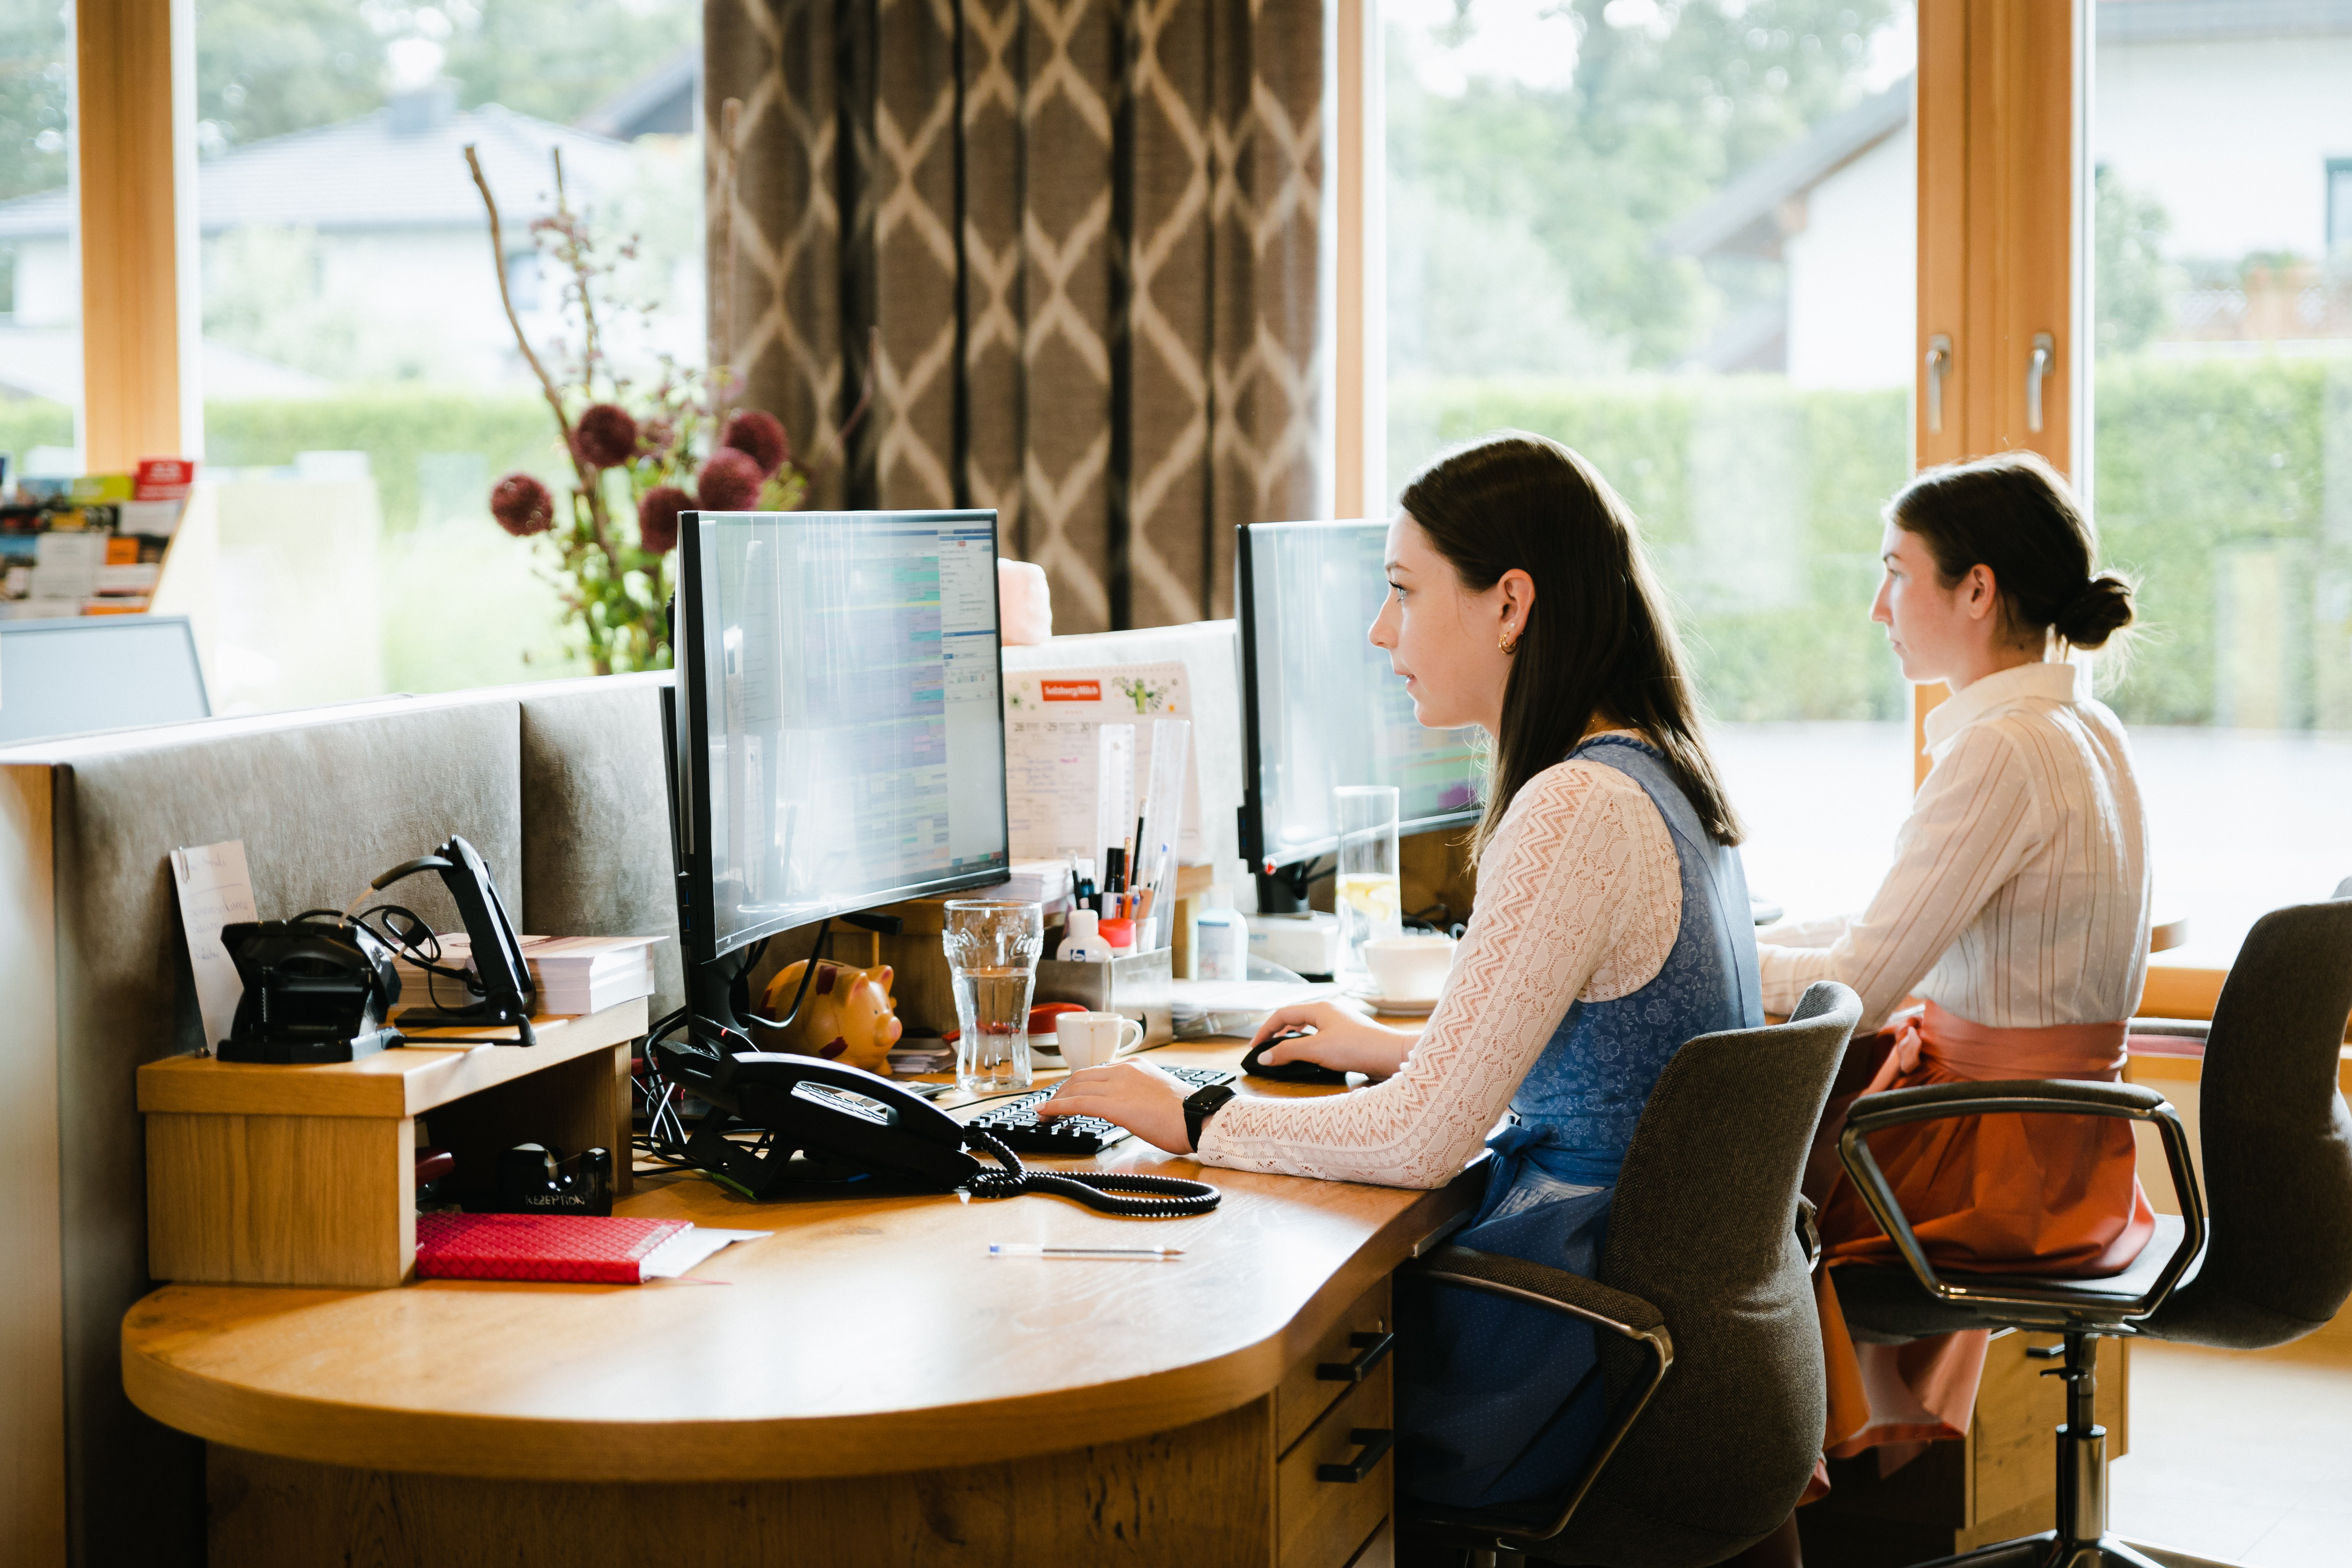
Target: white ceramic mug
x=1409 y=968
x=1095 y=1039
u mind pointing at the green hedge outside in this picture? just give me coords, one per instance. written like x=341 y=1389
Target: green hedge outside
x=2195 y=459
x=1834 y=456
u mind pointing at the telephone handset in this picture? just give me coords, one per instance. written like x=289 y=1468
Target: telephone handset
x=835 y=1116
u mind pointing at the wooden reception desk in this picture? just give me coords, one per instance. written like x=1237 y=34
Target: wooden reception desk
x=867 y=1384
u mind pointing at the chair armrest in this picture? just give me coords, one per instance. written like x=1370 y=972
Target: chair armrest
x=2068 y=1097
x=2171 y=1028
x=1627 y=1316
x=1571 y=1295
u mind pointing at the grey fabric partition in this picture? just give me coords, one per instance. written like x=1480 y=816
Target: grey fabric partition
x=595 y=817
x=558 y=786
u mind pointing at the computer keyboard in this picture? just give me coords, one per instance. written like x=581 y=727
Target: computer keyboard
x=1017 y=1124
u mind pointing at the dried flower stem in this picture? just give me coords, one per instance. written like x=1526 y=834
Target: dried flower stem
x=587 y=477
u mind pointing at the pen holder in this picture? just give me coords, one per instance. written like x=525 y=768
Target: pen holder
x=1138 y=986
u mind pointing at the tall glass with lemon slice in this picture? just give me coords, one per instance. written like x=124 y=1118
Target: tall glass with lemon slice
x=1366 y=898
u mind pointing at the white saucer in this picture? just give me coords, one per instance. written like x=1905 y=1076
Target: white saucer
x=1396 y=1007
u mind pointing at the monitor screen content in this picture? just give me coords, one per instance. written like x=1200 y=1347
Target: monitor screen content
x=96 y=672
x=1324 y=708
x=844 y=741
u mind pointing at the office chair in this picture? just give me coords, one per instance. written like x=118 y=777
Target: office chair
x=1709 y=1350
x=2277 y=1147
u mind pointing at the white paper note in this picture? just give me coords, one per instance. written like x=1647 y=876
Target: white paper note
x=1050 y=756
x=215 y=890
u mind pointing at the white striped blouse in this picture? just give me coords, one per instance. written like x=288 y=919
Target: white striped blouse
x=2019 y=897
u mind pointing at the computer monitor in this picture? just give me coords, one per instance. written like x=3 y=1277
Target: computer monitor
x=80 y=673
x=838 y=729
x=1321 y=707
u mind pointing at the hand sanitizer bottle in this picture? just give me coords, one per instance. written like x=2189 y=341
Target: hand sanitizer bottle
x=1220 y=936
x=1084 y=943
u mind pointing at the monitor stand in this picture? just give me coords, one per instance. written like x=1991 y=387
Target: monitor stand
x=1283 y=891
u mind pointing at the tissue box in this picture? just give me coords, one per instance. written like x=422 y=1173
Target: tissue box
x=1138 y=986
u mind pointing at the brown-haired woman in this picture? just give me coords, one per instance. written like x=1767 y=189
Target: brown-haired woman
x=1611 y=924
x=2017 y=909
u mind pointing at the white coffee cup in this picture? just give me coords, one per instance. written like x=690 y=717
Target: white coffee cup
x=1095 y=1039
x=1409 y=968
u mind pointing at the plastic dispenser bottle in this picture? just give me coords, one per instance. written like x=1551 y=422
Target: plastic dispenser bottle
x=1220 y=936
x=1083 y=942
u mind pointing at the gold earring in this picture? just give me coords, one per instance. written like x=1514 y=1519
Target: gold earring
x=1508 y=644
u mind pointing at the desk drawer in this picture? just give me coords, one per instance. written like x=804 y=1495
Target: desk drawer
x=1305 y=1394
x=1322 y=1518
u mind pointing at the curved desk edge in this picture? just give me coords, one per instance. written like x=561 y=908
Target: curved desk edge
x=867 y=1443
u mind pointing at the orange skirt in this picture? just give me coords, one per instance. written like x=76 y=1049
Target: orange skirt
x=1987 y=1195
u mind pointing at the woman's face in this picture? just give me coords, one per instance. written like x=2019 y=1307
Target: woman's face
x=1937 y=633
x=1444 y=640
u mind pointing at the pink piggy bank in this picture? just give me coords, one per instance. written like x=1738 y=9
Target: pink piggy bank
x=847 y=1017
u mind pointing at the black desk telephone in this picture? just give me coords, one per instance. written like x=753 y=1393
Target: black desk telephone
x=843 y=1123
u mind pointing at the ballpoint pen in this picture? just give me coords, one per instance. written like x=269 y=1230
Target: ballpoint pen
x=1036 y=1249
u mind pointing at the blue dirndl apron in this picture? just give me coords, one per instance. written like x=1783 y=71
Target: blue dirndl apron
x=1497 y=1401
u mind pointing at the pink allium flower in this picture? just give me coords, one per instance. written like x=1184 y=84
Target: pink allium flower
x=656 y=435
x=729 y=482
x=658 y=517
x=523 y=506
x=761 y=434
x=606 y=436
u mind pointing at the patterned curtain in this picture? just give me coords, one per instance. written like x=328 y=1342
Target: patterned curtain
x=1071 y=248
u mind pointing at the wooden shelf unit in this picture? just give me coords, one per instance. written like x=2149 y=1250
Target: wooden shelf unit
x=306 y=1175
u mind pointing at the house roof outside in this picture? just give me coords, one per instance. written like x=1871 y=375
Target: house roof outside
x=662 y=103
x=402 y=166
x=1745 y=215
x=2187 y=21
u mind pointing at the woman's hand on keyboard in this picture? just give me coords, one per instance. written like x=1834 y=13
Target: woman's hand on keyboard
x=1138 y=1096
x=1344 y=1039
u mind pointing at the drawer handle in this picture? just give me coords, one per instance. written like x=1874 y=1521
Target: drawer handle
x=1375 y=1349
x=1375 y=1441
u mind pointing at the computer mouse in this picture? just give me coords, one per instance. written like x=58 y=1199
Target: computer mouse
x=1288 y=1072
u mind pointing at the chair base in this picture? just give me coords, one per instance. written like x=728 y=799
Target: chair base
x=2046 y=1550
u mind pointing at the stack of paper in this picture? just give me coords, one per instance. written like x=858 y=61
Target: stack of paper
x=572 y=974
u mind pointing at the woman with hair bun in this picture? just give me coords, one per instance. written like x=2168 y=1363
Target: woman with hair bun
x=2017 y=909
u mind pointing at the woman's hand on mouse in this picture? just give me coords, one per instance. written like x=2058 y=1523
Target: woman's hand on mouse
x=1138 y=1096
x=1344 y=1039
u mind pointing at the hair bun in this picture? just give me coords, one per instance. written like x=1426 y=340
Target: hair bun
x=2103 y=608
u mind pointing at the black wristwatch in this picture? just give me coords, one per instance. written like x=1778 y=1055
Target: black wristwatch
x=1203 y=1104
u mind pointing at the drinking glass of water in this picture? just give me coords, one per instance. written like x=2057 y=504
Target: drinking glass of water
x=1366 y=899
x=992 y=949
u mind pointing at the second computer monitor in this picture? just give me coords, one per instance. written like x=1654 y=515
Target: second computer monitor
x=1320 y=705
x=841 y=734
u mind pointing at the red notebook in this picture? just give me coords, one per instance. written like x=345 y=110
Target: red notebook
x=576 y=1249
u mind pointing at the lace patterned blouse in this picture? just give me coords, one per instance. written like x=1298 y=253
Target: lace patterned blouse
x=1580 y=895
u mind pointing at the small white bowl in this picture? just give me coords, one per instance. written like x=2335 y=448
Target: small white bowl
x=1409 y=968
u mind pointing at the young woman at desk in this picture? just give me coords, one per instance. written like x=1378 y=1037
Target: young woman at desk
x=2017 y=908
x=1611 y=924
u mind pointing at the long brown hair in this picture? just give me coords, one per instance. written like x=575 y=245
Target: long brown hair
x=2014 y=515
x=1600 y=640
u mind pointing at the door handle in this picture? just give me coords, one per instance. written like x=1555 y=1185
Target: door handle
x=1375 y=1349
x=2037 y=370
x=1939 y=365
x=1374 y=1443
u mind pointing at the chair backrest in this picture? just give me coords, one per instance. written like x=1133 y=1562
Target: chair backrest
x=1703 y=1228
x=2277 y=1140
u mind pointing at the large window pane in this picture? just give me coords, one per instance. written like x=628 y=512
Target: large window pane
x=362 y=387
x=2223 y=426
x=41 y=271
x=1680 y=239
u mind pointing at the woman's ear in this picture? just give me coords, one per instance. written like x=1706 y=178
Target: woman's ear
x=1519 y=602
x=1980 y=595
